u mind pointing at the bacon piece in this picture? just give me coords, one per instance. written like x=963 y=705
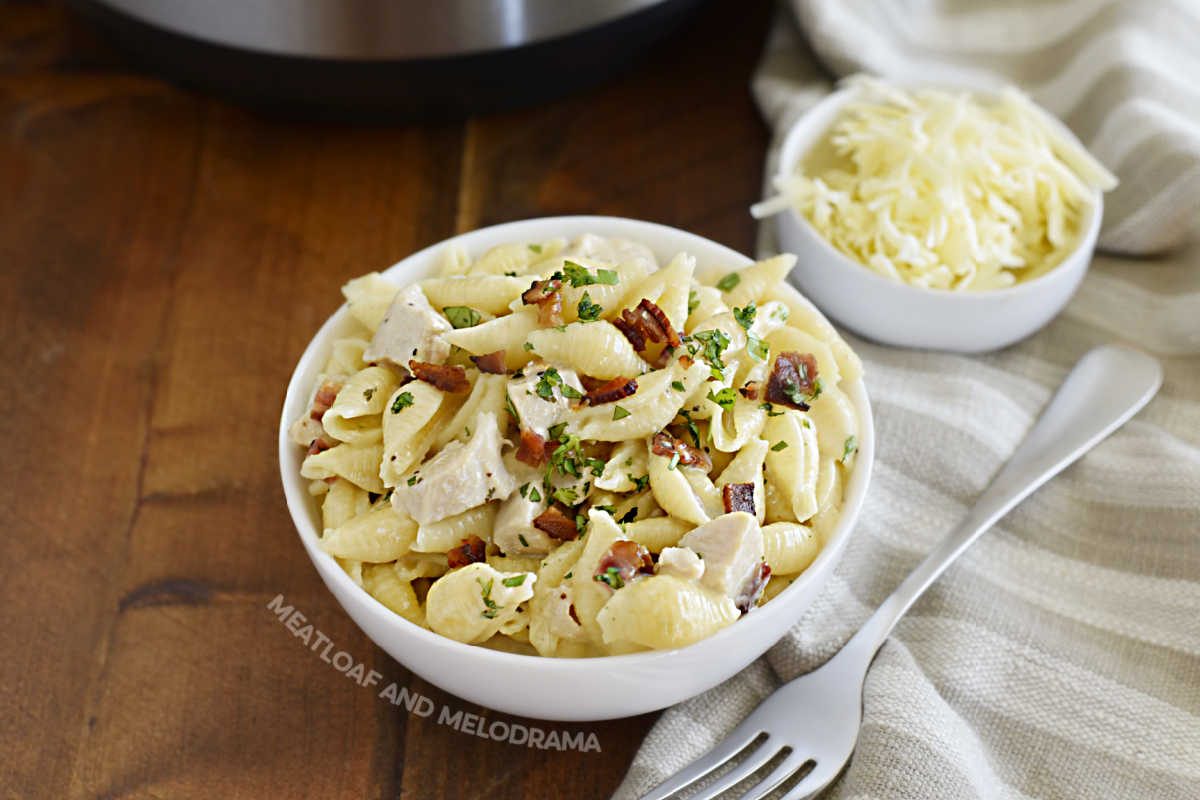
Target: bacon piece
x=557 y=525
x=750 y=390
x=318 y=445
x=664 y=444
x=686 y=361
x=533 y=448
x=540 y=290
x=591 y=384
x=624 y=561
x=656 y=324
x=794 y=376
x=646 y=323
x=753 y=588
x=447 y=377
x=472 y=550
x=611 y=392
x=492 y=363
x=547 y=296
x=627 y=324
x=323 y=399
x=738 y=497
x=663 y=358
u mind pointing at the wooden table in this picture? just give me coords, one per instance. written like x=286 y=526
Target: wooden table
x=165 y=258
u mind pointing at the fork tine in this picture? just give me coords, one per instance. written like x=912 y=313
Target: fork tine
x=785 y=770
x=721 y=752
x=750 y=764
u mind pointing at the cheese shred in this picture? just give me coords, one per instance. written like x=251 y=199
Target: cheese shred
x=942 y=190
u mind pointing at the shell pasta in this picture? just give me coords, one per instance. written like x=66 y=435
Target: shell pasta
x=568 y=449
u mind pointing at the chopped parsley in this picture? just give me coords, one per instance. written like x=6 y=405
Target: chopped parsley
x=611 y=576
x=570 y=391
x=545 y=385
x=674 y=462
x=693 y=301
x=724 y=398
x=610 y=509
x=515 y=580
x=402 y=401
x=851 y=447
x=528 y=345
x=630 y=516
x=569 y=574
x=757 y=348
x=799 y=398
x=556 y=431
x=781 y=313
x=524 y=490
x=770 y=409
x=578 y=275
x=638 y=483
x=678 y=386
x=619 y=413
x=510 y=273
x=745 y=316
x=368 y=393
x=413 y=480
x=461 y=316
x=581 y=524
x=566 y=495
x=596 y=465
x=521 y=538
x=485 y=590
x=780 y=445
x=534 y=495
x=588 y=311
x=692 y=430
x=508 y=405
x=715 y=342
x=729 y=281
x=535 y=248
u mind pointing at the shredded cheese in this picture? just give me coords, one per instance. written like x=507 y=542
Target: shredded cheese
x=941 y=190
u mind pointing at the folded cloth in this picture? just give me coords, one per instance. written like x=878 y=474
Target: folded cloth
x=1060 y=656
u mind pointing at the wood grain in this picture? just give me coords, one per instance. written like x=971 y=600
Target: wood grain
x=166 y=257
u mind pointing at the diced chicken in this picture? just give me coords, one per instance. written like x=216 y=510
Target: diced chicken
x=459 y=477
x=538 y=413
x=514 y=532
x=411 y=330
x=591 y=247
x=682 y=562
x=732 y=548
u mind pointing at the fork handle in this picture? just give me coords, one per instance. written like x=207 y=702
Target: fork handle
x=1108 y=386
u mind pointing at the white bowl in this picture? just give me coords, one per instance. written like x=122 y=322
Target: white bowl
x=549 y=688
x=899 y=314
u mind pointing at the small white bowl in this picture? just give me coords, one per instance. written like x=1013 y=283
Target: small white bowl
x=549 y=688
x=899 y=314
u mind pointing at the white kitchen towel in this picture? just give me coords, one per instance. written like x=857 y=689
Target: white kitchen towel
x=1060 y=656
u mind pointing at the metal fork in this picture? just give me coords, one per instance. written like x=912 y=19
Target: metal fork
x=812 y=722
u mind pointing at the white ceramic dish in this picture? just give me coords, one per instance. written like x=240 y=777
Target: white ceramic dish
x=896 y=313
x=548 y=688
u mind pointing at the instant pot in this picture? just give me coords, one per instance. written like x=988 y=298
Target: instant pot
x=416 y=58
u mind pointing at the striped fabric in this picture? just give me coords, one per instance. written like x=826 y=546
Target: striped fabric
x=1060 y=657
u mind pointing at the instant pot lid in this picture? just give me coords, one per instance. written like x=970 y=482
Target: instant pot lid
x=393 y=59
x=375 y=29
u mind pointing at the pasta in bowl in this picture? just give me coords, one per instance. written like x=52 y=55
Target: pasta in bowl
x=581 y=443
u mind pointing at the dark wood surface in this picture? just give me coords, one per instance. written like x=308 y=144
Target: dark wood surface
x=164 y=259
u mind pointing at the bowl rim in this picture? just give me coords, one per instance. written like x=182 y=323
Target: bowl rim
x=803 y=127
x=299 y=501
